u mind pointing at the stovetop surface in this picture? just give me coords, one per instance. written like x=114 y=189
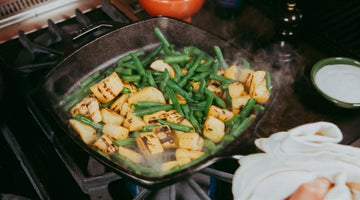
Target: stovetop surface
x=254 y=29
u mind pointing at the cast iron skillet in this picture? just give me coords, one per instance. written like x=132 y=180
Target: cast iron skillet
x=105 y=51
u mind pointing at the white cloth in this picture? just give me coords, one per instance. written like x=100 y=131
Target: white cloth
x=295 y=157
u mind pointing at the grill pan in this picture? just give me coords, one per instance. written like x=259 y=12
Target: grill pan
x=102 y=53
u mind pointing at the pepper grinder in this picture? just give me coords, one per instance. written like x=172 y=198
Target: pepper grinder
x=288 y=22
x=288 y=18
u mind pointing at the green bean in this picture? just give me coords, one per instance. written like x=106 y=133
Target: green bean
x=136 y=133
x=227 y=96
x=90 y=79
x=202 y=86
x=139 y=67
x=175 y=101
x=207 y=63
x=128 y=65
x=191 y=71
x=109 y=71
x=192 y=50
x=125 y=142
x=246 y=64
x=126 y=58
x=165 y=79
x=179 y=73
x=176 y=59
x=107 y=104
x=76 y=99
x=146 y=170
x=222 y=79
x=186 y=109
x=189 y=64
x=88 y=121
x=188 y=87
x=227 y=139
x=175 y=126
x=268 y=81
x=202 y=68
x=150 y=78
x=195 y=123
x=102 y=153
x=161 y=37
x=232 y=121
x=151 y=110
x=125 y=161
x=125 y=90
x=237 y=130
x=200 y=76
x=209 y=102
x=131 y=78
x=215 y=67
x=148 y=104
x=176 y=88
x=123 y=71
x=152 y=55
x=224 y=86
x=217 y=99
x=210 y=146
x=156 y=73
x=259 y=108
x=247 y=108
x=74 y=95
x=148 y=128
x=220 y=57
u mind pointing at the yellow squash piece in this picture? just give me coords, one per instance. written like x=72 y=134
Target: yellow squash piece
x=244 y=74
x=118 y=103
x=86 y=132
x=256 y=86
x=214 y=86
x=191 y=141
x=177 y=133
x=232 y=72
x=133 y=122
x=239 y=102
x=149 y=144
x=104 y=144
x=174 y=117
x=107 y=89
x=168 y=165
x=151 y=119
x=219 y=113
x=236 y=89
x=147 y=94
x=184 y=156
x=126 y=109
x=111 y=117
x=132 y=155
x=214 y=129
x=115 y=132
x=165 y=136
x=88 y=107
x=160 y=65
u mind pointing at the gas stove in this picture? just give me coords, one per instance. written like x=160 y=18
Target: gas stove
x=46 y=164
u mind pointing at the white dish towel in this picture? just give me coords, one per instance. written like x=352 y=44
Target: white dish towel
x=295 y=157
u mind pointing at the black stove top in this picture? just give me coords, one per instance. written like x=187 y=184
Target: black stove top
x=38 y=161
